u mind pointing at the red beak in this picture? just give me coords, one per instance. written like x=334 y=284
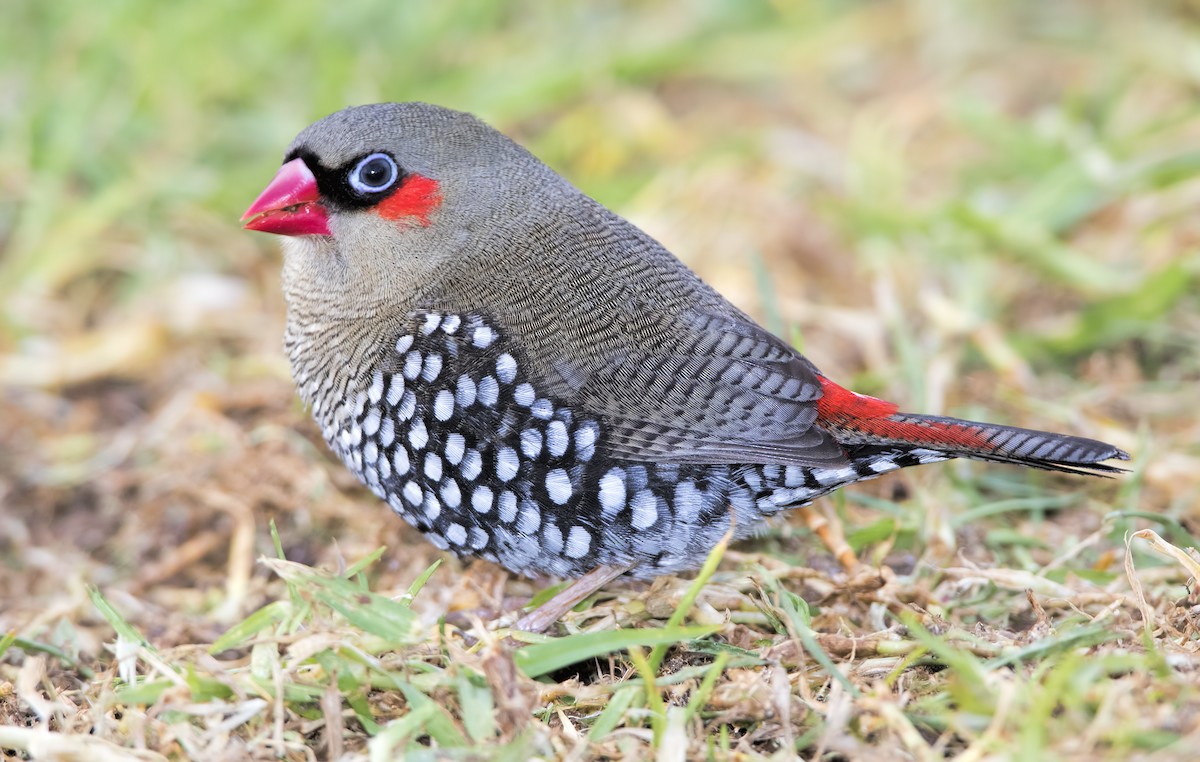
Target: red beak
x=289 y=205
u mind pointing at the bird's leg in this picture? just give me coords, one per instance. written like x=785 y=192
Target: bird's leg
x=829 y=531
x=568 y=598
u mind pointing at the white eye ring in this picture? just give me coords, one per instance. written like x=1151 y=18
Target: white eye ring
x=375 y=173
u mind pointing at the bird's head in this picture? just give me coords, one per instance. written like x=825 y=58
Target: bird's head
x=380 y=200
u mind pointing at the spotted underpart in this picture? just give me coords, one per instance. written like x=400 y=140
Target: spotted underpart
x=448 y=429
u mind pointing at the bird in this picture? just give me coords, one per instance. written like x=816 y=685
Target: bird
x=527 y=377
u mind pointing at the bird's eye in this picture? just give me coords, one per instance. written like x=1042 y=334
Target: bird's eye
x=375 y=173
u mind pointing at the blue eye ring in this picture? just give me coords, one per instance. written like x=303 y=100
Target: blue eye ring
x=373 y=174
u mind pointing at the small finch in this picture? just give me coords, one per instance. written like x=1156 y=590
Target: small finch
x=527 y=377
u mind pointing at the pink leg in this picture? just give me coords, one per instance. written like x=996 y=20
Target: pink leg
x=829 y=532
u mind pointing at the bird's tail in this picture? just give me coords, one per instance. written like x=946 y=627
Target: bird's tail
x=857 y=419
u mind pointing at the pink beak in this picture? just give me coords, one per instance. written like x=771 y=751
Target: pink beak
x=289 y=205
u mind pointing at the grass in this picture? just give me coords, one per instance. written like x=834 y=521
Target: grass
x=983 y=209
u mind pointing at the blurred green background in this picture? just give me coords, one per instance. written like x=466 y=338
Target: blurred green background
x=132 y=133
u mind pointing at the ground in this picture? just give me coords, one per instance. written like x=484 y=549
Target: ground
x=984 y=210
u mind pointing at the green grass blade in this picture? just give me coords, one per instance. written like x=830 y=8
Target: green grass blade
x=541 y=658
x=613 y=712
x=689 y=597
x=115 y=620
x=241 y=633
x=419 y=582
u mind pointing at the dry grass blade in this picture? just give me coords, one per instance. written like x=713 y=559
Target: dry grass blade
x=1185 y=558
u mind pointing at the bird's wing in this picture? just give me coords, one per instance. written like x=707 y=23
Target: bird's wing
x=725 y=391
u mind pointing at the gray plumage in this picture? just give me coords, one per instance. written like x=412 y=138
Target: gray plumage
x=543 y=383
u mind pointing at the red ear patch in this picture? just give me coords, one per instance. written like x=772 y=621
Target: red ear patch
x=415 y=199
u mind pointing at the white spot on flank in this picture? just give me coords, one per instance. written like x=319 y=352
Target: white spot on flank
x=412 y=493
x=451 y=323
x=483 y=337
x=433 y=508
x=552 y=539
x=437 y=540
x=417 y=435
x=395 y=389
x=464 y=391
x=531 y=518
x=481 y=499
x=375 y=392
x=412 y=365
x=579 y=541
x=451 y=494
x=612 y=492
x=456 y=445
x=556 y=438
x=432 y=321
x=457 y=534
x=880 y=466
x=585 y=440
x=433 y=366
x=397 y=506
x=828 y=476
x=400 y=461
x=479 y=538
x=753 y=480
x=489 y=391
x=403 y=343
x=558 y=486
x=433 y=466
x=542 y=408
x=472 y=465
x=506 y=368
x=531 y=443
x=523 y=395
x=688 y=502
x=360 y=403
x=387 y=432
x=507 y=463
x=370 y=453
x=645 y=509
x=407 y=406
x=793 y=476
x=370 y=424
x=443 y=405
x=384 y=467
x=508 y=506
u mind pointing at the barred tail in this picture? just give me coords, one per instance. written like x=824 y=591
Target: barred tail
x=1003 y=444
x=855 y=419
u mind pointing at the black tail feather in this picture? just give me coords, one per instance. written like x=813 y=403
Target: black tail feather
x=1003 y=444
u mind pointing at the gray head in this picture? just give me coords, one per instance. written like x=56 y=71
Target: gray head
x=382 y=201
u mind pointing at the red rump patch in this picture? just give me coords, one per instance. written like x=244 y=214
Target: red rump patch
x=839 y=406
x=416 y=198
